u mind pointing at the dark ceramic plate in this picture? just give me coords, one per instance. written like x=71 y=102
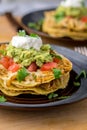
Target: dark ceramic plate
x=73 y=93
x=34 y=17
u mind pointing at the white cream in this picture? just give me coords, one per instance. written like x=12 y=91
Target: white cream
x=71 y=3
x=26 y=42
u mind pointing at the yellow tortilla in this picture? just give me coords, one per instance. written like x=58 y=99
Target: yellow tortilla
x=67 y=27
x=38 y=83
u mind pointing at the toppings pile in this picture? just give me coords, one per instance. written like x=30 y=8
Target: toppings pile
x=29 y=67
x=23 y=61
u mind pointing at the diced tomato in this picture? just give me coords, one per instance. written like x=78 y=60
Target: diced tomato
x=9 y=64
x=6 y=61
x=49 y=66
x=56 y=60
x=32 y=67
x=14 y=67
x=84 y=19
x=6 y=58
x=11 y=61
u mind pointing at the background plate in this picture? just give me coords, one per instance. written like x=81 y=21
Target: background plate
x=34 y=103
x=38 y=15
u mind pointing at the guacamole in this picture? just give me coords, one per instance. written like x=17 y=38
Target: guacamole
x=77 y=12
x=26 y=56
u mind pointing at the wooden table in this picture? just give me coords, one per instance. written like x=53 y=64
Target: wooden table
x=67 y=117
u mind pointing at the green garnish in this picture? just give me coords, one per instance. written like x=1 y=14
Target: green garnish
x=57 y=73
x=76 y=84
x=78 y=77
x=59 y=57
x=2 y=99
x=33 y=35
x=22 y=73
x=63 y=97
x=3 y=52
x=58 y=17
x=81 y=75
x=56 y=56
x=22 y=33
x=52 y=95
x=36 y=25
x=55 y=95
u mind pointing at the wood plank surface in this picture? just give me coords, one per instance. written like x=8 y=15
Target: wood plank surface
x=6 y=30
x=67 y=117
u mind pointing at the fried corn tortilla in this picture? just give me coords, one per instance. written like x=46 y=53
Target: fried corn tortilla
x=38 y=82
x=66 y=27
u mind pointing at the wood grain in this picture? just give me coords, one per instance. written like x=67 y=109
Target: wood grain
x=6 y=30
x=67 y=117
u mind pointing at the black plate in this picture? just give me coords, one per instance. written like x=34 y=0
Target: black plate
x=35 y=17
x=38 y=15
x=75 y=94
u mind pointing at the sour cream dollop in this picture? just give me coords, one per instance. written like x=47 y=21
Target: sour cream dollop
x=26 y=42
x=71 y=3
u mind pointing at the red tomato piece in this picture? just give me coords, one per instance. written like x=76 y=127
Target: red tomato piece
x=11 y=61
x=14 y=67
x=84 y=19
x=56 y=60
x=32 y=67
x=5 y=62
x=49 y=66
x=6 y=58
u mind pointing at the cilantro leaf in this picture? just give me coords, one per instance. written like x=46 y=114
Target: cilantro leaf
x=57 y=56
x=21 y=33
x=22 y=73
x=76 y=84
x=2 y=99
x=55 y=95
x=81 y=75
x=63 y=97
x=3 y=52
x=52 y=95
x=33 y=35
x=34 y=26
x=58 y=17
x=57 y=73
